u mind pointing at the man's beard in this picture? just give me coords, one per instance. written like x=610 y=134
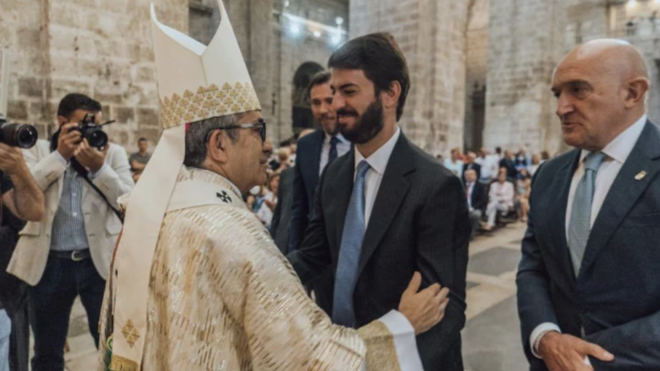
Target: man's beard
x=367 y=126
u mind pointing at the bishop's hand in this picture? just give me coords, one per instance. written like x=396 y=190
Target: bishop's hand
x=423 y=309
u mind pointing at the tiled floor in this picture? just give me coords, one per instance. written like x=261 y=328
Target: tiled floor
x=491 y=339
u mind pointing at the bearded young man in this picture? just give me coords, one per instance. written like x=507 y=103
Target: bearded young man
x=198 y=284
x=386 y=209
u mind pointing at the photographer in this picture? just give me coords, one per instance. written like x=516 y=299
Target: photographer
x=23 y=198
x=69 y=253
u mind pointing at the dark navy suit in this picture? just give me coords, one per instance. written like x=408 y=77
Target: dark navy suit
x=306 y=179
x=616 y=295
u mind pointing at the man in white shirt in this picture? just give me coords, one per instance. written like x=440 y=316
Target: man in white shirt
x=386 y=209
x=500 y=198
x=489 y=166
x=588 y=279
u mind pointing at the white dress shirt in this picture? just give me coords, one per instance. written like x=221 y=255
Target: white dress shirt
x=617 y=152
x=470 y=189
x=378 y=162
x=342 y=148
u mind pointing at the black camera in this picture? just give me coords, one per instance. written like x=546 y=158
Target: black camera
x=17 y=135
x=93 y=132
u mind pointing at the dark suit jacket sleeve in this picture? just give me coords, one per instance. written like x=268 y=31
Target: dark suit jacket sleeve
x=534 y=301
x=277 y=214
x=635 y=344
x=479 y=198
x=313 y=257
x=299 y=209
x=442 y=248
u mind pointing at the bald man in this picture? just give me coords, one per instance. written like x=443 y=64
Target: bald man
x=589 y=282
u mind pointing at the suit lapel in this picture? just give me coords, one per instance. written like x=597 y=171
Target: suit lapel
x=392 y=192
x=624 y=193
x=316 y=156
x=343 y=189
x=564 y=177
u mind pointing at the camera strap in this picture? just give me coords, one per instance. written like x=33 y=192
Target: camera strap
x=83 y=173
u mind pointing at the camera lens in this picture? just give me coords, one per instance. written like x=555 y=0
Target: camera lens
x=26 y=136
x=97 y=138
x=18 y=135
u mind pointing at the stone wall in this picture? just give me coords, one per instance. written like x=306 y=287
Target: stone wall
x=103 y=49
x=529 y=37
x=289 y=51
x=476 y=71
x=526 y=41
x=94 y=47
x=431 y=34
x=273 y=53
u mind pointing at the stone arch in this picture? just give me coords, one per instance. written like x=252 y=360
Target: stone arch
x=301 y=112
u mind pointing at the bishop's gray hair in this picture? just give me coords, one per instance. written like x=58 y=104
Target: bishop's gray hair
x=197 y=136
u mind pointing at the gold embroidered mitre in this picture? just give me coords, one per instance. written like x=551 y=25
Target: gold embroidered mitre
x=197 y=82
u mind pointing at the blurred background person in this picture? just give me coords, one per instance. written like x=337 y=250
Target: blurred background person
x=455 y=163
x=140 y=159
x=477 y=200
x=523 y=189
x=470 y=163
x=508 y=162
x=269 y=202
x=500 y=199
x=536 y=162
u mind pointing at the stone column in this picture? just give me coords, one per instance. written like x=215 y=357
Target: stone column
x=525 y=44
x=431 y=34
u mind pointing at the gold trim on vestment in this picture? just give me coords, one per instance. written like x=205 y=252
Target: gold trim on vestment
x=381 y=351
x=208 y=102
x=120 y=363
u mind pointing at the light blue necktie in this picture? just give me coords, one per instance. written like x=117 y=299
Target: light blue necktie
x=580 y=224
x=343 y=312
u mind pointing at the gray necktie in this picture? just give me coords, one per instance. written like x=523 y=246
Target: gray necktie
x=580 y=224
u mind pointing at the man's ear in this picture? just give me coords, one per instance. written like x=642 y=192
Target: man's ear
x=390 y=97
x=218 y=147
x=61 y=120
x=637 y=90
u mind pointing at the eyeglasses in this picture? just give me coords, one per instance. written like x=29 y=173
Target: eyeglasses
x=261 y=125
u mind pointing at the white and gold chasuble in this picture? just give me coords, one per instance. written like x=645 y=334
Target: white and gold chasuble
x=223 y=298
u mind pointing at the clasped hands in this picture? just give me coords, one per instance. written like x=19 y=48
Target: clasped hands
x=70 y=144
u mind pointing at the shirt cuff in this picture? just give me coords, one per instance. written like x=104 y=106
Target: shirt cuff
x=101 y=170
x=537 y=334
x=404 y=341
x=61 y=159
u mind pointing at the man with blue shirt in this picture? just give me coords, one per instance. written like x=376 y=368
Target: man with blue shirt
x=68 y=254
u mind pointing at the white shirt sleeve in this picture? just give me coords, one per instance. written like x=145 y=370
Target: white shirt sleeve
x=538 y=333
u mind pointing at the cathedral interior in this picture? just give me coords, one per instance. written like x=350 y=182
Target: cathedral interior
x=481 y=72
